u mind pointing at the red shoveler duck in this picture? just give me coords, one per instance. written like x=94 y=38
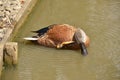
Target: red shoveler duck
x=62 y=36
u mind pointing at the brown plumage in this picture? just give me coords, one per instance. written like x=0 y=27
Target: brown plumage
x=58 y=34
x=62 y=36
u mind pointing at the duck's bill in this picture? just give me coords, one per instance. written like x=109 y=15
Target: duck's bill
x=30 y=39
x=83 y=49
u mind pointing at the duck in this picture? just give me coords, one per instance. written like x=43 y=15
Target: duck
x=61 y=36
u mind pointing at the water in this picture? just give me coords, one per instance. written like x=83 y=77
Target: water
x=100 y=19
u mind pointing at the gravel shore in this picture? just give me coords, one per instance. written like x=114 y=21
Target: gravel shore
x=8 y=11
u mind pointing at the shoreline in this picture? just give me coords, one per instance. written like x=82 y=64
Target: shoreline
x=13 y=13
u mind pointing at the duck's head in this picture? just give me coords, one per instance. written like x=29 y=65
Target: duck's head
x=82 y=40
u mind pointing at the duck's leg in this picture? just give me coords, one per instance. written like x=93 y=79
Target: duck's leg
x=78 y=36
x=64 y=43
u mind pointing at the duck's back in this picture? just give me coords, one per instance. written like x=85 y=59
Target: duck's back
x=57 y=34
x=61 y=33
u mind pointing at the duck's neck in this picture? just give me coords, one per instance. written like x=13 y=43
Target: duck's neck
x=84 y=36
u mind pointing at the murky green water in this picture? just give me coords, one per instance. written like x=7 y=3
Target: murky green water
x=100 y=19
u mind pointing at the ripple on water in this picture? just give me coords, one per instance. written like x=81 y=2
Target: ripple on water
x=101 y=18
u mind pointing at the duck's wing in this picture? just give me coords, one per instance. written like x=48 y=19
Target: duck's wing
x=43 y=30
x=79 y=40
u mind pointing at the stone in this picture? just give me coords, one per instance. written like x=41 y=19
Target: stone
x=11 y=53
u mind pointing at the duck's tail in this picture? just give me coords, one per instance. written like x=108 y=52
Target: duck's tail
x=31 y=38
x=42 y=30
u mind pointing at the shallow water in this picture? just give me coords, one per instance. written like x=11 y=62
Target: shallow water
x=100 y=19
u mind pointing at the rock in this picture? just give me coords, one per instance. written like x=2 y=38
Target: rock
x=8 y=11
x=11 y=53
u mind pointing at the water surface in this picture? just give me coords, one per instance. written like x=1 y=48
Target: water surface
x=100 y=19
